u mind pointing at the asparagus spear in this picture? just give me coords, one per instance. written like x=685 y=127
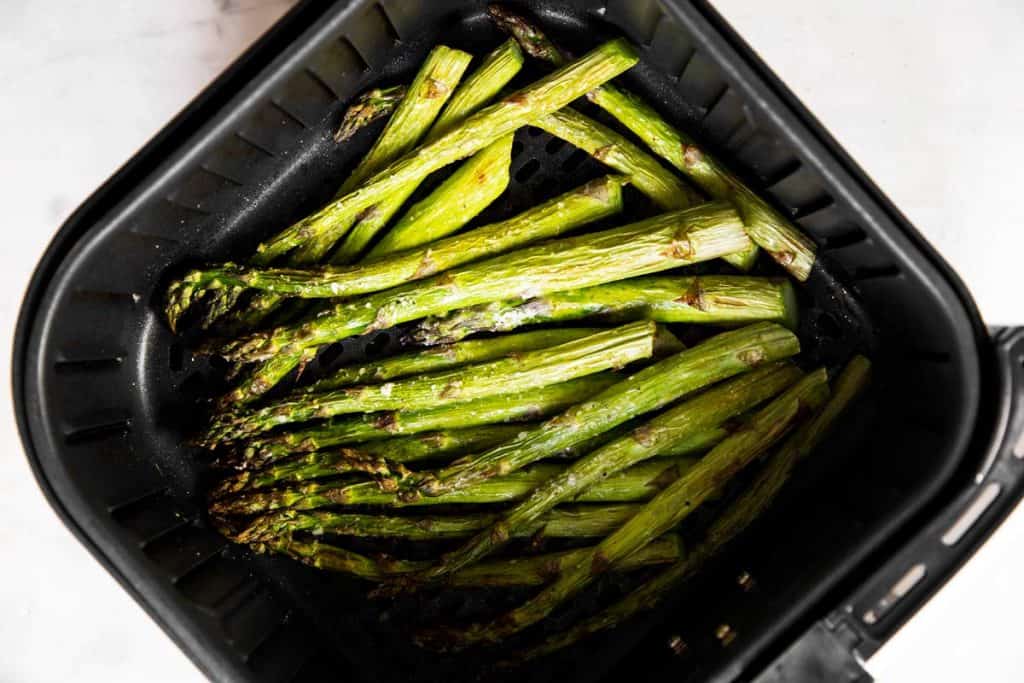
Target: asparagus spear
x=521 y=571
x=666 y=510
x=722 y=356
x=705 y=411
x=737 y=517
x=371 y=105
x=616 y=151
x=592 y=201
x=604 y=350
x=464 y=194
x=717 y=299
x=635 y=484
x=514 y=407
x=666 y=241
x=580 y=521
x=785 y=242
x=473 y=134
x=481 y=87
x=449 y=356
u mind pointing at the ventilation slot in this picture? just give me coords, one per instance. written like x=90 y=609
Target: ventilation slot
x=97 y=432
x=786 y=170
x=106 y=297
x=670 y=48
x=324 y=85
x=253 y=621
x=195 y=211
x=844 y=239
x=875 y=272
x=255 y=145
x=210 y=583
x=402 y=16
x=373 y=36
x=930 y=356
x=180 y=549
x=283 y=653
x=810 y=207
x=338 y=66
x=971 y=515
x=88 y=365
x=149 y=516
x=284 y=110
x=637 y=18
x=895 y=594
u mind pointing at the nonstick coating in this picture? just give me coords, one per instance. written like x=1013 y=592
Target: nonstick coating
x=110 y=394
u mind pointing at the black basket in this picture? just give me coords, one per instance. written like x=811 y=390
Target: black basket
x=917 y=478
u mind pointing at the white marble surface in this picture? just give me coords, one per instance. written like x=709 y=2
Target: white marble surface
x=916 y=91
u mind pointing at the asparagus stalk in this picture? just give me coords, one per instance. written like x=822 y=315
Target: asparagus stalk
x=507 y=408
x=371 y=105
x=580 y=521
x=473 y=134
x=520 y=571
x=737 y=517
x=437 y=358
x=604 y=350
x=705 y=411
x=455 y=202
x=481 y=87
x=718 y=358
x=715 y=299
x=660 y=243
x=592 y=201
x=785 y=242
x=638 y=483
x=616 y=151
x=666 y=510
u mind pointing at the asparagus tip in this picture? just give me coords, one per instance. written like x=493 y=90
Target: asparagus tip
x=370 y=106
x=529 y=36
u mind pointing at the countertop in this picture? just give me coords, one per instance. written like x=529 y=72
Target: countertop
x=921 y=94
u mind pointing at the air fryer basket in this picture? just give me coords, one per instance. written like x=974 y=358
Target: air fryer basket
x=863 y=534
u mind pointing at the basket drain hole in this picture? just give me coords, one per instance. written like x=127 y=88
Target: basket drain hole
x=527 y=170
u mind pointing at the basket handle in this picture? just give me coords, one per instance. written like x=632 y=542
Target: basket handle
x=838 y=644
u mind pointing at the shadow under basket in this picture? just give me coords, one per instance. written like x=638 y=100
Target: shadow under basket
x=903 y=492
